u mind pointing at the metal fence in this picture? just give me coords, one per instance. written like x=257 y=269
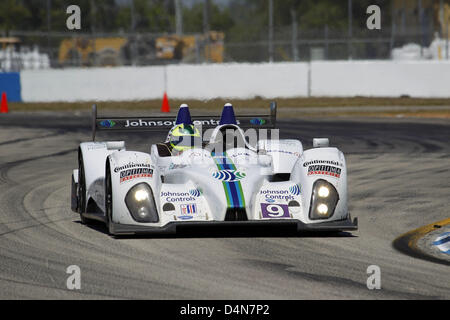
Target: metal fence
x=38 y=50
x=330 y=44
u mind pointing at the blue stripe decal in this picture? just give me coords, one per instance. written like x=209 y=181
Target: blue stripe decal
x=234 y=195
x=241 y=201
x=232 y=198
x=442 y=241
x=232 y=189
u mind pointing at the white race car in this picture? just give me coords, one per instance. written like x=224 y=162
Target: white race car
x=217 y=177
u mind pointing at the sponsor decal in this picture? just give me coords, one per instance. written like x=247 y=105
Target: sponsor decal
x=295 y=190
x=324 y=170
x=107 y=123
x=177 y=196
x=195 y=192
x=297 y=154
x=133 y=165
x=272 y=195
x=185 y=217
x=196 y=154
x=258 y=121
x=289 y=142
x=207 y=122
x=239 y=154
x=330 y=162
x=173 y=166
x=188 y=209
x=139 y=123
x=130 y=174
x=229 y=175
x=230 y=180
x=271 y=211
x=143 y=123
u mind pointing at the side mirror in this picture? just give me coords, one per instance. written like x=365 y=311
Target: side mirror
x=115 y=145
x=321 y=143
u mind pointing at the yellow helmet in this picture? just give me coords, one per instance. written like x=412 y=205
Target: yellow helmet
x=183 y=137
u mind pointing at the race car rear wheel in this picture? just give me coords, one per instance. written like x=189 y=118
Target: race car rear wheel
x=108 y=199
x=81 y=189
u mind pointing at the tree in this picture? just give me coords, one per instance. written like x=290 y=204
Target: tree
x=13 y=15
x=220 y=18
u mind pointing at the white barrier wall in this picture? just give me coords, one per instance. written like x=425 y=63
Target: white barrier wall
x=268 y=80
x=380 y=78
x=102 y=84
x=240 y=81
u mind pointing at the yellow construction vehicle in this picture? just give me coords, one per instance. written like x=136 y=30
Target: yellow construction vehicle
x=91 y=52
x=141 y=50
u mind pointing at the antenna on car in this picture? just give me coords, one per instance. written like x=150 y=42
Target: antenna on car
x=273 y=113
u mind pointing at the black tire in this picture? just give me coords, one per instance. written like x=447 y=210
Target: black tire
x=81 y=189
x=108 y=199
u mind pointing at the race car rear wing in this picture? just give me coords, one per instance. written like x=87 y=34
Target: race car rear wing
x=165 y=123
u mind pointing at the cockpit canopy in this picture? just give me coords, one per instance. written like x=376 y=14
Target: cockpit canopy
x=228 y=136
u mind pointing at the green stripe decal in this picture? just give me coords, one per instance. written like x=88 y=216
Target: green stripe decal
x=233 y=189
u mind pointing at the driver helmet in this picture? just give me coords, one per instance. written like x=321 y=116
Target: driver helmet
x=183 y=137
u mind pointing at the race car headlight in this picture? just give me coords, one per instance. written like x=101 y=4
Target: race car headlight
x=141 y=203
x=324 y=199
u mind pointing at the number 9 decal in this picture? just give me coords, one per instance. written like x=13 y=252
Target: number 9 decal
x=274 y=210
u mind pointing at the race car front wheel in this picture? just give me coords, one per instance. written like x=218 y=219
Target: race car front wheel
x=81 y=189
x=108 y=200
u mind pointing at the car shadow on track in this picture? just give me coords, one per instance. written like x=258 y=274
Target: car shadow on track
x=227 y=232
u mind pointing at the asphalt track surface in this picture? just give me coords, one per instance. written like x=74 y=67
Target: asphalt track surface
x=399 y=179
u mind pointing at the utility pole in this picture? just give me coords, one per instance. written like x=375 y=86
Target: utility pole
x=446 y=39
x=178 y=17
x=49 y=26
x=93 y=18
x=133 y=16
x=206 y=12
x=133 y=33
x=49 y=15
x=206 y=5
x=271 y=30
x=294 y=34
x=393 y=29
x=420 y=10
x=403 y=22
x=350 y=30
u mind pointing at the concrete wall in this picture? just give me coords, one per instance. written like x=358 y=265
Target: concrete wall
x=238 y=81
x=119 y=84
x=380 y=79
x=276 y=80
